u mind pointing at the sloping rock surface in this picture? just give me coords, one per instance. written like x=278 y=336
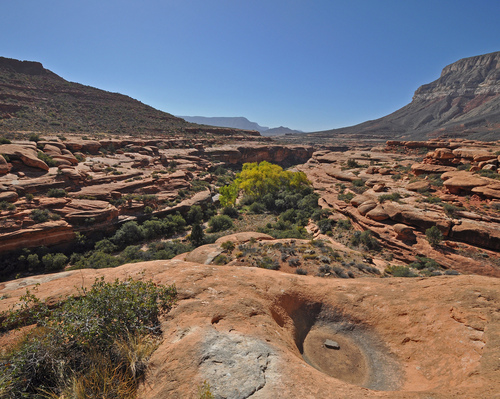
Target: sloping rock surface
x=242 y=330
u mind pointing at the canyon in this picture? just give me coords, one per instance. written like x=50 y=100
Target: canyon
x=393 y=290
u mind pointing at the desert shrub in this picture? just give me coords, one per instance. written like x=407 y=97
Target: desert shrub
x=47 y=159
x=346 y=197
x=7 y=206
x=400 y=271
x=194 y=215
x=450 y=209
x=325 y=225
x=294 y=261
x=228 y=246
x=300 y=271
x=231 y=212
x=29 y=197
x=344 y=224
x=205 y=392
x=319 y=214
x=257 y=208
x=492 y=174
x=197 y=236
x=436 y=180
x=33 y=260
x=167 y=249
x=351 y=163
x=34 y=137
x=389 y=197
x=221 y=260
x=134 y=253
x=422 y=262
x=266 y=262
x=40 y=215
x=4 y=140
x=365 y=239
x=431 y=199
x=129 y=233
x=220 y=223
x=434 y=236
x=57 y=193
x=54 y=262
x=97 y=260
x=94 y=342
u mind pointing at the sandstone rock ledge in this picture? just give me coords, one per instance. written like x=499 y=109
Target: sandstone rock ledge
x=243 y=331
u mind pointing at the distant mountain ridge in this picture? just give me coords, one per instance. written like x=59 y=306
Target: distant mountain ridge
x=463 y=102
x=239 y=122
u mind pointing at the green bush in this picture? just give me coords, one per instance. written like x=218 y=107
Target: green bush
x=194 y=215
x=257 y=208
x=7 y=206
x=400 y=271
x=40 y=215
x=4 y=140
x=228 y=246
x=57 y=193
x=434 y=236
x=344 y=224
x=220 y=223
x=266 y=262
x=389 y=197
x=105 y=245
x=421 y=262
x=231 y=212
x=346 y=197
x=365 y=239
x=351 y=163
x=47 y=159
x=129 y=233
x=34 y=137
x=197 y=236
x=33 y=260
x=97 y=260
x=54 y=262
x=450 y=209
x=325 y=225
x=88 y=337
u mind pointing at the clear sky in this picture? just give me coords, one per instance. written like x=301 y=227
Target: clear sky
x=305 y=64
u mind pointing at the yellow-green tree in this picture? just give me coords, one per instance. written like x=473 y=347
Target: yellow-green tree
x=259 y=179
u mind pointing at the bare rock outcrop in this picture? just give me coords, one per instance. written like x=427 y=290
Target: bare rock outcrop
x=232 y=324
x=42 y=234
x=26 y=153
x=478 y=233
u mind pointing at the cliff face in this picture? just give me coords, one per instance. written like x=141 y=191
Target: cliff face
x=467 y=77
x=463 y=102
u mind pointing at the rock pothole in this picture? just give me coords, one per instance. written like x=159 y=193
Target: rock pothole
x=343 y=347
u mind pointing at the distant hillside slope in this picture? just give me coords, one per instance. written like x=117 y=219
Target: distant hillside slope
x=33 y=98
x=463 y=102
x=280 y=131
x=239 y=122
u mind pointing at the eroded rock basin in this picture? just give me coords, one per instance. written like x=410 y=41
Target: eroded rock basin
x=359 y=359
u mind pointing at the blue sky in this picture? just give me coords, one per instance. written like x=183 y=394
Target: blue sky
x=306 y=64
